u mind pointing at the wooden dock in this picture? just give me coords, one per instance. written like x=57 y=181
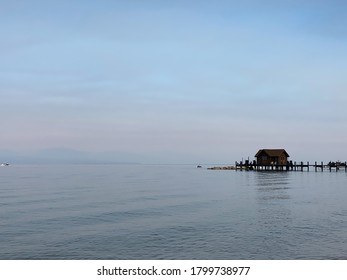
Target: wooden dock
x=291 y=166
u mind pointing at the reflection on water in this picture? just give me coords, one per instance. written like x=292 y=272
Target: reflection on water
x=272 y=185
x=274 y=217
x=269 y=179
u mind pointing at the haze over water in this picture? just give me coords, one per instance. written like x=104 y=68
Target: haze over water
x=170 y=212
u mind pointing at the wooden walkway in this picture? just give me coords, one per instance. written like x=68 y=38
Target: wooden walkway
x=301 y=166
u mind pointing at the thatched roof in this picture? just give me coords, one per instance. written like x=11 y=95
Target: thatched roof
x=272 y=152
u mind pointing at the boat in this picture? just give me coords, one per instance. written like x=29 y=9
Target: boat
x=4 y=164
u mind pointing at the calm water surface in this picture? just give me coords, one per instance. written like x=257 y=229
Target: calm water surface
x=170 y=212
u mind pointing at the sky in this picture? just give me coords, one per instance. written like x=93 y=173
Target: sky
x=172 y=81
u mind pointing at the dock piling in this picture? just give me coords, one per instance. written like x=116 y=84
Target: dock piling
x=290 y=166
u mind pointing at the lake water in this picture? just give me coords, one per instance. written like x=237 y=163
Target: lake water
x=170 y=212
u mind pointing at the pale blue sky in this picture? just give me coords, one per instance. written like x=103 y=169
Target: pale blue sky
x=174 y=81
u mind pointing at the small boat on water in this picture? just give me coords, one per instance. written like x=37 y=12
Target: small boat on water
x=4 y=164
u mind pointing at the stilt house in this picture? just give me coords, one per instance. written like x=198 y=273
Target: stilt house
x=272 y=156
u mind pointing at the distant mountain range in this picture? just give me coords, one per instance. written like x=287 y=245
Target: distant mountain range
x=66 y=156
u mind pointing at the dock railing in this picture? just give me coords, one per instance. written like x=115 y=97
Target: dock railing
x=291 y=166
